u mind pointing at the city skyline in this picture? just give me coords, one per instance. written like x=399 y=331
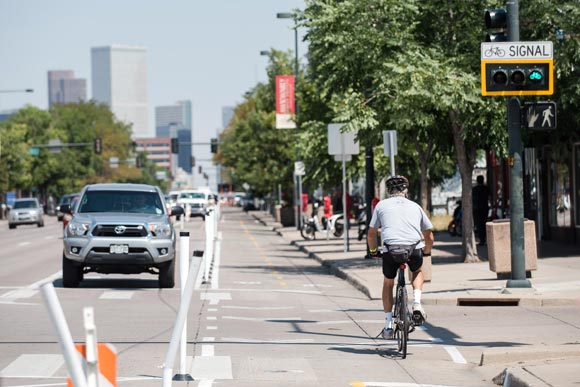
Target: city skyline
x=208 y=53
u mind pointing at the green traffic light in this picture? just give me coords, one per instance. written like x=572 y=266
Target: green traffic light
x=536 y=76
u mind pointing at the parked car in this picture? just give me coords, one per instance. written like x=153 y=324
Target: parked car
x=119 y=228
x=65 y=199
x=26 y=211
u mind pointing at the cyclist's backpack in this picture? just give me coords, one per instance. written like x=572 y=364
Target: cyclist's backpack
x=401 y=253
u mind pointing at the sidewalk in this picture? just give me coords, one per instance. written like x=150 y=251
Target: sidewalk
x=554 y=283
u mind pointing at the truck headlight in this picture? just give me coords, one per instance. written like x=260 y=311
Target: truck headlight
x=160 y=230
x=77 y=228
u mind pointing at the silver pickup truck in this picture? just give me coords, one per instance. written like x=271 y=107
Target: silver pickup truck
x=119 y=228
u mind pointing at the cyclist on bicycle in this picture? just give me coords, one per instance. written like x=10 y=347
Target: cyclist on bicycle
x=402 y=222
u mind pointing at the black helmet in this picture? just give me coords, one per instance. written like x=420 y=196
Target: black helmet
x=397 y=182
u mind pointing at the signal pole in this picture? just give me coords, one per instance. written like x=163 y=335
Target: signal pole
x=515 y=146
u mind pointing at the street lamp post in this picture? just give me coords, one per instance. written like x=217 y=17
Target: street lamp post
x=297 y=190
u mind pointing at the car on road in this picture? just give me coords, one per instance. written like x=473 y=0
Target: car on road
x=119 y=228
x=26 y=211
x=65 y=199
x=196 y=200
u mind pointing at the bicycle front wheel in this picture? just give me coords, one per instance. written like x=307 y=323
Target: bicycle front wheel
x=402 y=321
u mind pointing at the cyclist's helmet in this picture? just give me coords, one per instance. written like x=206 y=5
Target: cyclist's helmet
x=397 y=183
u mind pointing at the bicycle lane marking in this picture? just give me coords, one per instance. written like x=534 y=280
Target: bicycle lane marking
x=456 y=356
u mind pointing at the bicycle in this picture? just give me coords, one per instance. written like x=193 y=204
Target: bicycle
x=332 y=225
x=403 y=321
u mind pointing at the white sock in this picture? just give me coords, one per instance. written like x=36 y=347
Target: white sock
x=417 y=296
x=388 y=320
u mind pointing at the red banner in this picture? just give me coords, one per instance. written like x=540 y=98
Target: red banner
x=285 y=107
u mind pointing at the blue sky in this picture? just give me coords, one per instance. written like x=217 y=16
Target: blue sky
x=207 y=51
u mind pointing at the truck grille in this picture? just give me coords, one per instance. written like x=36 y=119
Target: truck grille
x=119 y=230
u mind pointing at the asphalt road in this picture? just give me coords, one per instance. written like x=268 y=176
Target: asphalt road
x=268 y=316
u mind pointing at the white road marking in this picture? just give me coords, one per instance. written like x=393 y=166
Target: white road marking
x=212 y=367
x=241 y=340
x=211 y=328
x=317 y=286
x=33 y=366
x=21 y=244
x=207 y=338
x=215 y=298
x=262 y=318
x=350 y=322
x=455 y=355
x=274 y=291
x=211 y=317
x=28 y=291
x=212 y=310
x=247 y=282
x=207 y=350
x=116 y=295
x=257 y=307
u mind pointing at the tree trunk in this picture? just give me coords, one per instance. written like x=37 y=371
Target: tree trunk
x=424 y=156
x=466 y=162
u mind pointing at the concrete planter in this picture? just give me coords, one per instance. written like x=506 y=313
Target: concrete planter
x=499 y=247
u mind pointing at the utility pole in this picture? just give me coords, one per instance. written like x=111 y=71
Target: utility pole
x=515 y=146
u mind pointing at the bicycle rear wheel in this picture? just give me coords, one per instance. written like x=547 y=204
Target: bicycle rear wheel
x=402 y=334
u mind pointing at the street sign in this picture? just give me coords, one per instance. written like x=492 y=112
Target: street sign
x=340 y=143
x=517 y=68
x=390 y=142
x=540 y=115
x=299 y=169
x=54 y=145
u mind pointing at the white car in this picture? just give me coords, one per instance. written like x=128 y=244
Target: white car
x=196 y=200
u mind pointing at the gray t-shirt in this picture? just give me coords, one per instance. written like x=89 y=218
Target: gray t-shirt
x=401 y=220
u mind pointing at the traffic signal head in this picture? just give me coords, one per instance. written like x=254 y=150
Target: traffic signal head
x=98 y=146
x=496 y=20
x=174 y=145
x=517 y=79
x=214 y=145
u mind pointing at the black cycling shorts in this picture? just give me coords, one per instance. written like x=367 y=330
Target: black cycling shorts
x=390 y=267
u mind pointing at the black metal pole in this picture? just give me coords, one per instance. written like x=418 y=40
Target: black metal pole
x=369 y=185
x=514 y=118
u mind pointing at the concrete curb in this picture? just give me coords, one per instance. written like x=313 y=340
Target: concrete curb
x=518 y=377
x=529 y=353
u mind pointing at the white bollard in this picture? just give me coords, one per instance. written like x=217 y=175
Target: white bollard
x=180 y=322
x=183 y=271
x=209 y=240
x=71 y=356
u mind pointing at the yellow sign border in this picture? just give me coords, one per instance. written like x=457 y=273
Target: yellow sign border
x=516 y=93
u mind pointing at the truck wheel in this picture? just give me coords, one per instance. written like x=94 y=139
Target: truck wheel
x=167 y=274
x=72 y=274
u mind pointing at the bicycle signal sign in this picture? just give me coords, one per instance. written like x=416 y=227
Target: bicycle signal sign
x=517 y=68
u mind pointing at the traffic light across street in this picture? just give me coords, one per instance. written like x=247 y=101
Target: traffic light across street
x=517 y=68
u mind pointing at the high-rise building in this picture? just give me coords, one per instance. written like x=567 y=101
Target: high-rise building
x=63 y=87
x=175 y=121
x=179 y=114
x=119 y=79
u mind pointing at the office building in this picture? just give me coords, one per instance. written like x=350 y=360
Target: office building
x=179 y=114
x=63 y=87
x=119 y=79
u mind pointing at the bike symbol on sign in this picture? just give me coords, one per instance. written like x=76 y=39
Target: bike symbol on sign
x=494 y=51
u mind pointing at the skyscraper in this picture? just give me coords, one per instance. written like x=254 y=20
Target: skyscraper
x=63 y=87
x=119 y=79
x=179 y=114
x=178 y=118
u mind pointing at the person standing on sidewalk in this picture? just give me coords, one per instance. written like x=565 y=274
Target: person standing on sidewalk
x=402 y=222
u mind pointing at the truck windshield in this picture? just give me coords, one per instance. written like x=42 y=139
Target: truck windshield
x=121 y=201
